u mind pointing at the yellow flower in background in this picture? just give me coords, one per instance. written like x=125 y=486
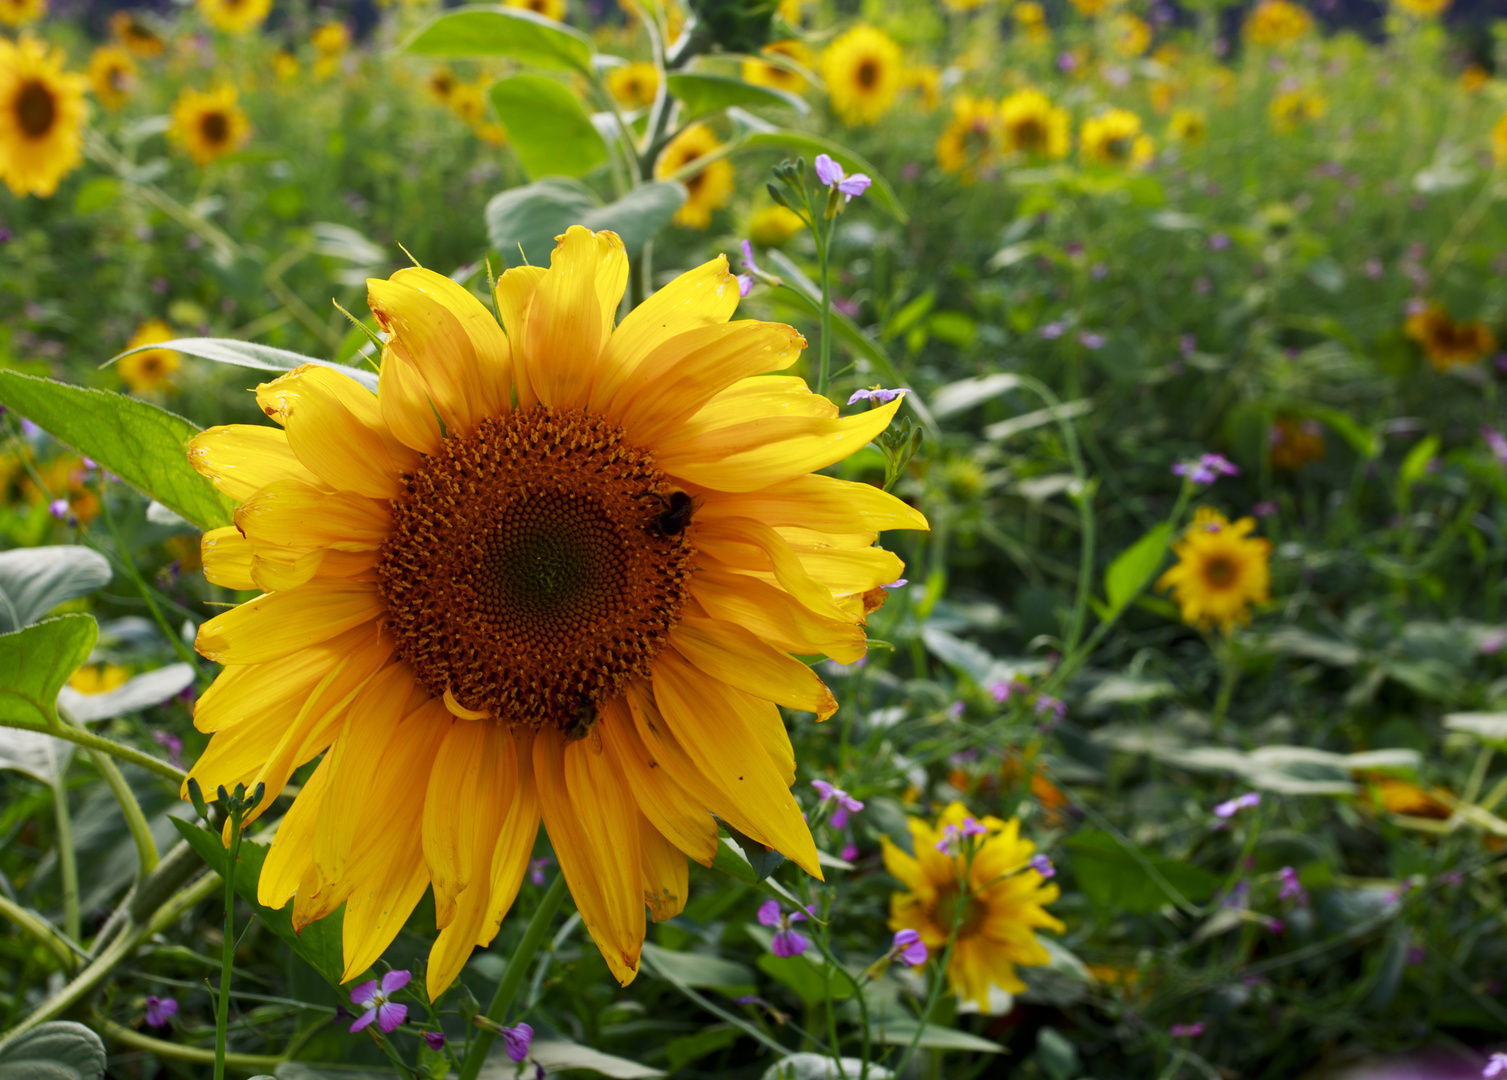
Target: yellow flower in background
x=1474 y=78
x=21 y=12
x=862 y=70
x=634 y=85
x=491 y=133
x=1294 y=108
x=285 y=65
x=927 y=78
x=151 y=368
x=626 y=696
x=1114 y=137
x=1445 y=342
x=962 y=5
x=1003 y=901
x=1162 y=95
x=1499 y=140
x=1221 y=571
x=773 y=226
x=468 y=102
x=98 y=678
x=208 y=125
x=136 y=35
x=1423 y=9
x=790 y=11
x=112 y=73
x=1132 y=35
x=761 y=73
x=330 y=41
x=42 y=112
x=1033 y=125
x=440 y=84
x=550 y=9
x=1092 y=8
x=235 y=16
x=1277 y=22
x=710 y=188
x=971 y=139
x=1031 y=19
x=1292 y=443
x=1187 y=126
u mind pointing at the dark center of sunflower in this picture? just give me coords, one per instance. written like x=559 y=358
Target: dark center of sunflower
x=525 y=575
x=1030 y=134
x=947 y=910
x=214 y=127
x=868 y=74
x=36 y=108
x=1219 y=572
x=1117 y=149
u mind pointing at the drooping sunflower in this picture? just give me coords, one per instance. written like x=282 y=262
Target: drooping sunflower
x=863 y=73
x=635 y=85
x=1187 y=126
x=1114 y=137
x=151 y=368
x=1003 y=901
x=22 y=12
x=1221 y=571
x=112 y=73
x=553 y=568
x=208 y=125
x=708 y=189
x=970 y=141
x=136 y=35
x=550 y=9
x=1444 y=341
x=1277 y=22
x=1031 y=124
x=762 y=73
x=42 y=110
x=235 y=16
x=1292 y=109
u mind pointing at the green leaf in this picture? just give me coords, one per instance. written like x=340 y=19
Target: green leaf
x=732 y=862
x=318 y=943
x=911 y=314
x=33 y=581
x=144 y=445
x=1362 y=440
x=1135 y=566
x=935 y=1037
x=96 y=194
x=1114 y=878
x=487 y=30
x=547 y=127
x=561 y=1055
x=804 y=142
x=689 y=1048
x=764 y=860
x=533 y=215
x=699 y=970
x=59 y=1050
x=36 y=662
x=797 y=973
x=1417 y=462
x=702 y=93
x=248 y=354
x=639 y=215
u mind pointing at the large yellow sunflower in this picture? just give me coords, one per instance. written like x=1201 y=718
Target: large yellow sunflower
x=1114 y=137
x=235 y=16
x=1003 y=900
x=709 y=189
x=113 y=75
x=1221 y=571
x=208 y=125
x=863 y=73
x=553 y=568
x=635 y=85
x=762 y=73
x=1444 y=341
x=42 y=110
x=1031 y=124
x=21 y=12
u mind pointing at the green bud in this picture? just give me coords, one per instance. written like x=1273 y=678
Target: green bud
x=196 y=796
x=777 y=195
x=835 y=203
x=467 y=1004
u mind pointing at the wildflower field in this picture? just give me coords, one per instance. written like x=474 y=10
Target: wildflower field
x=724 y=538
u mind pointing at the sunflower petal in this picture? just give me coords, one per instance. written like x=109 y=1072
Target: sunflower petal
x=227 y=556
x=240 y=459
x=492 y=379
x=293 y=845
x=572 y=313
x=776 y=617
x=822 y=503
x=514 y=296
x=662 y=800
x=293 y=514
x=450 y=817
x=280 y=624
x=735 y=655
x=667 y=877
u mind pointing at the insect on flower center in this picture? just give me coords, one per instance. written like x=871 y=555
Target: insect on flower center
x=36 y=108
x=529 y=574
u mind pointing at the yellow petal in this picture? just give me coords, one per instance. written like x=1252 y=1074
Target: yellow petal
x=242 y=458
x=404 y=399
x=733 y=654
x=571 y=315
x=292 y=514
x=823 y=503
x=494 y=364
x=668 y=806
x=776 y=617
x=243 y=693
x=280 y=624
x=515 y=842
x=426 y=334
x=450 y=816
x=514 y=296
x=293 y=845
x=227 y=558
x=745 y=544
x=667 y=879
x=902 y=867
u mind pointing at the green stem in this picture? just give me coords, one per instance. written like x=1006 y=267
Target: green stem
x=108 y=746
x=39 y=928
x=824 y=236
x=136 y=822
x=67 y=860
x=941 y=974
x=512 y=976
x=178 y=1052
x=227 y=947
x=1229 y=678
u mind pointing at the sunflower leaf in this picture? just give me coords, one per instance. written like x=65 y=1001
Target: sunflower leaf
x=702 y=93
x=547 y=127
x=33 y=581
x=248 y=354
x=487 y=30
x=1133 y=567
x=531 y=216
x=60 y=1050
x=36 y=662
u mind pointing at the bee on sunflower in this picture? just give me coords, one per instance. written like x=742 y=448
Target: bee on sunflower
x=42 y=112
x=1445 y=342
x=22 y=12
x=1277 y=22
x=979 y=876
x=1114 y=137
x=709 y=188
x=763 y=73
x=970 y=141
x=481 y=609
x=1031 y=124
x=634 y=86
x=112 y=73
x=151 y=368
x=208 y=125
x=1221 y=571
x=863 y=73
x=235 y=16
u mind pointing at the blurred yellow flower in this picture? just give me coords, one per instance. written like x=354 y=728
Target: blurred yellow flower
x=772 y=226
x=285 y=65
x=42 y=110
x=1408 y=799
x=21 y=12
x=1292 y=443
x=1277 y=22
x=1474 y=78
x=550 y=9
x=208 y=125
x=1162 y=95
x=98 y=678
x=1423 y=9
x=1094 y=7
x=962 y=5
x=1220 y=571
x=1132 y=35
x=1444 y=341
x=1499 y=140
x=1294 y=108
x=761 y=73
x=468 y=102
x=862 y=70
x=1033 y=125
x=635 y=85
x=440 y=84
x=997 y=901
x=235 y=16
x=971 y=139
x=790 y=11
x=112 y=73
x=136 y=35
x=1114 y=137
x=926 y=78
x=1187 y=125
x=709 y=189
x=148 y=370
x=492 y=134
x=330 y=41
x=1031 y=19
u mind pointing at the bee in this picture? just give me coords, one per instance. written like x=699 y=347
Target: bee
x=676 y=517
x=582 y=718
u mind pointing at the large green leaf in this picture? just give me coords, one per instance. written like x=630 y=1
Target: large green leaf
x=248 y=354
x=1115 y=878
x=33 y=581
x=144 y=445
x=60 y=1050
x=487 y=30
x=548 y=128
x=699 y=970
x=530 y=217
x=1134 y=566
x=36 y=662
x=806 y=143
x=318 y=943
x=702 y=93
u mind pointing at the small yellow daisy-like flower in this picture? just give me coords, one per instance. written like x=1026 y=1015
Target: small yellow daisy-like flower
x=208 y=125
x=971 y=139
x=773 y=226
x=112 y=73
x=1187 y=126
x=469 y=102
x=710 y=188
x=22 y=12
x=1002 y=897
x=863 y=73
x=1114 y=137
x=1277 y=22
x=1423 y=9
x=550 y=9
x=1031 y=124
x=1294 y=108
x=635 y=85
x=528 y=579
x=136 y=35
x=151 y=368
x=1445 y=342
x=761 y=73
x=927 y=79
x=1293 y=443
x=1132 y=35
x=42 y=110
x=1474 y=78
x=285 y=65
x=235 y=16
x=98 y=678
x=1221 y=571
x=1031 y=19
x=1499 y=140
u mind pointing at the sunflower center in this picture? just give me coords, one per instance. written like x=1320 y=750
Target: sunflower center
x=525 y=575
x=868 y=74
x=1117 y=149
x=1219 y=572
x=1030 y=135
x=36 y=108
x=214 y=127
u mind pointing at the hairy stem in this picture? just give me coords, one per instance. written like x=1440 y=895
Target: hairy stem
x=108 y=746
x=67 y=860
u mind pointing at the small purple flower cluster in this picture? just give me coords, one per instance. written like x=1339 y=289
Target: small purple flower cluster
x=787 y=941
x=1291 y=889
x=1231 y=807
x=831 y=173
x=1206 y=470
x=955 y=838
x=380 y=1008
x=846 y=804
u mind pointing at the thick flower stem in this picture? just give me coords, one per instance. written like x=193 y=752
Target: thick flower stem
x=39 y=928
x=512 y=976
x=227 y=947
x=136 y=822
x=108 y=746
x=67 y=861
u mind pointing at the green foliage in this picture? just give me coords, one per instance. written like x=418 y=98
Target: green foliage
x=531 y=216
x=704 y=94
x=36 y=662
x=550 y=132
x=488 y=30
x=60 y=1050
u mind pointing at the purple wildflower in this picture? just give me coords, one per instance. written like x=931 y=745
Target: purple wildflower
x=1046 y=704
x=1265 y=509
x=849 y=852
x=956 y=709
x=1219 y=241
x=1292 y=888
x=435 y=1040
x=748 y=999
x=160 y=1011
x=28 y=429
x=1452 y=878
x=1187 y=345
x=1004 y=691
x=58 y=508
x=536 y=869
x=1066 y=61
x=877 y=393
x=898 y=583
x=745 y=284
x=1186 y=1031
x=909 y=947
x=1498 y=443
x=1053 y=330
x=954 y=837
x=831 y=173
x=1090 y=340
x=1231 y=807
x=377 y=997
x=1374 y=269
x=1496 y=1066
x=1493 y=642
x=1416 y=955
x=1207 y=469
x=787 y=941
x=1043 y=866
x=1238 y=897
x=846 y=804
x=171 y=743
x=516 y=1040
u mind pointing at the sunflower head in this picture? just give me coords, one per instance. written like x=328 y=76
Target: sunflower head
x=139 y=38
x=708 y=189
x=635 y=85
x=1277 y=22
x=151 y=368
x=112 y=73
x=1031 y=19
x=971 y=140
x=440 y=83
x=208 y=125
x=285 y=65
x=1031 y=124
x=235 y=16
x=863 y=72
x=1187 y=126
x=992 y=895
x=42 y=110
x=926 y=80
x=468 y=102
x=1292 y=109
x=761 y=73
x=773 y=226
x=1132 y=35
x=1220 y=572
x=550 y=9
x=1114 y=137
x=22 y=12
x=1445 y=342
x=1094 y=8
x=331 y=39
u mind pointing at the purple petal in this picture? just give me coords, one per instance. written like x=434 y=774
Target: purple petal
x=390 y=1016
x=840 y=817
x=915 y=955
x=788 y=943
x=898 y=583
x=860 y=395
x=856 y=184
x=745 y=285
x=364 y=1021
x=364 y=993
x=516 y=1040
x=748 y=259
x=849 y=802
x=435 y=1040
x=823 y=788
x=769 y=913
x=906 y=937
x=828 y=171
x=394 y=981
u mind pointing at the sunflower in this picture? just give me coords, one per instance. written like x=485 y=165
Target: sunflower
x=1031 y=19
x=761 y=73
x=1277 y=22
x=485 y=601
x=330 y=41
x=98 y=678
x=468 y=102
x=136 y=35
x=440 y=83
x=235 y=16
x=1187 y=126
x=21 y=12
x=1114 y=137
x=208 y=125
x=1499 y=140
x=1033 y=125
x=773 y=226
x=1292 y=109
x=1423 y=9
x=970 y=141
x=1092 y=8
x=1132 y=35
x=284 y=65
x=42 y=109
x=1445 y=342
x=926 y=78
x=708 y=189
x=862 y=70
x=962 y=5
x=550 y=9
x=1474 y=78
x=148 y=370
x=634 y=86
x=1003 y=901
x=112 y=72
x=1292 y=443
x=1220 y=571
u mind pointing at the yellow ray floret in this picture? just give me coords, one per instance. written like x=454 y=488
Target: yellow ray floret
x=1221 y=571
